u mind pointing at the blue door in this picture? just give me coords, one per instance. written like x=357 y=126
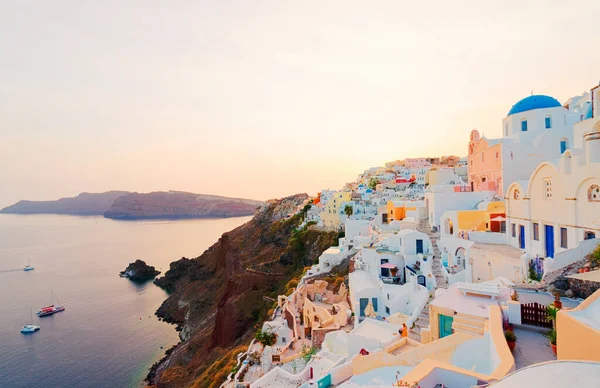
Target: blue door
x=374 y=303
x=445 y=325
x=419 y=246
x=363 y=304
x=549 y=238
x=563 y=146
x=522 y=236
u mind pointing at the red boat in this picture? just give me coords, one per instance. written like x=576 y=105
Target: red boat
x=52 y=309
x=49 y=310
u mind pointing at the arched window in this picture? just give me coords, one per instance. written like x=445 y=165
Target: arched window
x=594 y=193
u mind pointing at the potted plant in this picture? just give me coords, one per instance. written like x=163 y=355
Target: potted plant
x=552 y=310
x=557 y=302
x=514 y=296
x=552 y=337
x=511 y=339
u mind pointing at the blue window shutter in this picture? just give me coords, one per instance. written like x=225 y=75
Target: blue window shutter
x=524 y=125
x=563 y=146
x=548 y=122
x=374 y=300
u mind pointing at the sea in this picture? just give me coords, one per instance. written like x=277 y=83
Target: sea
x=108 y=335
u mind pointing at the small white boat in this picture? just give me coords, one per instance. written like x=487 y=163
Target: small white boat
x=28 y=267
x=30 y=327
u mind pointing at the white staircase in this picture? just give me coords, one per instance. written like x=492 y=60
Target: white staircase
x=423 y=320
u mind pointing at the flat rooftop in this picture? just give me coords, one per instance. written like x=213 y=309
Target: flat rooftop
x=506 y=250
x=469 y=304
x=377 y=330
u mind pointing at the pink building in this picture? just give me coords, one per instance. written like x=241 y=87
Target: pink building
x=485 y=164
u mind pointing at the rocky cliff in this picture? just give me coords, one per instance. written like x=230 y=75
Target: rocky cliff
x=83 y=204
x=178 y=204
x=139 y=271
x=217 y=299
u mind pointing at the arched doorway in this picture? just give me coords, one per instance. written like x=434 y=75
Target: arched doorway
x=449 y=226
x=460 y=256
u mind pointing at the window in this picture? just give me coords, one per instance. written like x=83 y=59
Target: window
x=548 y=122
x=387 y=310
x=547 y=188
x=517 y=194
x=564 y=144
x=483 y=179
x=374 y=301
x=587 y=235
x=523 y=125
x=536 y=231
x=594 y=193
x=514 y=230
x=563 y=238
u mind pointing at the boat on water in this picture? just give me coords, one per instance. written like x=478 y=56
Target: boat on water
x=28 y=267
x=52 y=309
x=30 y=327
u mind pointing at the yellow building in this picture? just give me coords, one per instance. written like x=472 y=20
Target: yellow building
x=333 y=211
x=578 y=329
x=489 y=219
x=398 y=210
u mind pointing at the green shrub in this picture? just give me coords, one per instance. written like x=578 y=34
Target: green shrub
x=266 y=338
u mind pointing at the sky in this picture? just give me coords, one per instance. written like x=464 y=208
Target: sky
x=262 y=99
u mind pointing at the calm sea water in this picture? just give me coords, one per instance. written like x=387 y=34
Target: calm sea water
x=108 y=336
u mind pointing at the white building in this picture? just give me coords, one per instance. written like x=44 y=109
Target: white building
x=559 y=205
x=440 y=199
x=406 y=301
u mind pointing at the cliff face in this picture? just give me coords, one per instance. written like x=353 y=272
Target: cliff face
x=177 y=204
x=217 y=298
x=83 y=204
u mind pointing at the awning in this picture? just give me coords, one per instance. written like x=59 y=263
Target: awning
x=389 y=265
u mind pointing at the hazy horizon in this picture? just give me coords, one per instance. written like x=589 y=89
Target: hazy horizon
x=263 y=100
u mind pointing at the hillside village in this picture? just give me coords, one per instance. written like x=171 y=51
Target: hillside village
x=452 y=272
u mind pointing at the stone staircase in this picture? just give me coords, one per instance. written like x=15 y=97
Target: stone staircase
x=423 y=320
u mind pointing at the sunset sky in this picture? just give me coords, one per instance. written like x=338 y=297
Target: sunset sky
x=261 y=99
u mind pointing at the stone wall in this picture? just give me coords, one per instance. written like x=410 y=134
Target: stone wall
x=583 y=288
x=318 y=336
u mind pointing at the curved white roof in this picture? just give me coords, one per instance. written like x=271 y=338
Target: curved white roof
x=578 y=374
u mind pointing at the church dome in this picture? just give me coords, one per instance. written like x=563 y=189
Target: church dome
x=538 y=101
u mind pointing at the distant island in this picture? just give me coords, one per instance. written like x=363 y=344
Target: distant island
x=124 y=205
x=85 y=204
x=179 y=204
